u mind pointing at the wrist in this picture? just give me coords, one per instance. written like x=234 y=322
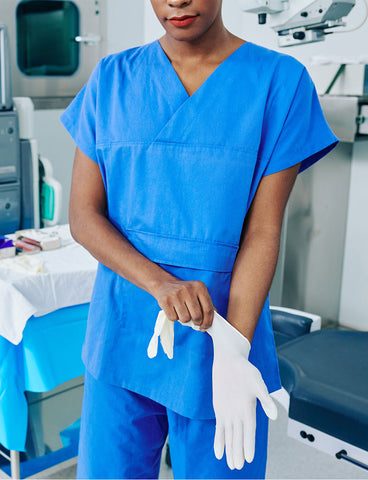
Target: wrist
x=245 y=329
x=225 y=336
x=156 y=280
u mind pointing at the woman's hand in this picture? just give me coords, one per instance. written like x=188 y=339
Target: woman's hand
x=185 y=301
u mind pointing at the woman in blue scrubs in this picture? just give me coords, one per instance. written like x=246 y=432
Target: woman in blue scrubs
x=187 y=150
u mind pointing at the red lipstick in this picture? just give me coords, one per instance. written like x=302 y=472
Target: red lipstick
x=183 y=21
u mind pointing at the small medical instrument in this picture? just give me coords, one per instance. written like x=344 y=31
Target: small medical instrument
x=25 y=247
x=300 y=21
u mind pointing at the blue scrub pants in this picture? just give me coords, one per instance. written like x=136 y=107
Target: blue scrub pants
x=123 y=433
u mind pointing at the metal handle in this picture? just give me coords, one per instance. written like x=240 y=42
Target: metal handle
x=343 y=455
x=89 y=39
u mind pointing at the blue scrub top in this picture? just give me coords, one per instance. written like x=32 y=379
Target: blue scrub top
x=180 y=173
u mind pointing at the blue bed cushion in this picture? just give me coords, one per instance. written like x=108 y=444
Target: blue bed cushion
x=326 y=374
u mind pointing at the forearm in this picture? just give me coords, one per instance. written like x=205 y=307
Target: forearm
x=251 y=280
x=184 y=300
x=96 y=233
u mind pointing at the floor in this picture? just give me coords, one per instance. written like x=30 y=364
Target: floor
x=287 y=459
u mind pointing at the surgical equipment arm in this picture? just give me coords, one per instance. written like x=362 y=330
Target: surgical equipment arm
x=300 y=21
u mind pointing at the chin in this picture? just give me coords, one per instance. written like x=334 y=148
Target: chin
x=184 y=35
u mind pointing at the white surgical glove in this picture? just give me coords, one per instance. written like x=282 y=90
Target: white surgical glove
x=236 y=386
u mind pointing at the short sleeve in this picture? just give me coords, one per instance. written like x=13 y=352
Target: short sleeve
x=80 y=117
x=297 y=130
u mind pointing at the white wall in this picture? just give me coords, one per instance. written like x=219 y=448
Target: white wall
x=125 y=24
x=353 y=305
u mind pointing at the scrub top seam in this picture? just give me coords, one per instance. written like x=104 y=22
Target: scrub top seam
x=198 y=240
x=155 y=142
x=191 y=266
x=302 y=157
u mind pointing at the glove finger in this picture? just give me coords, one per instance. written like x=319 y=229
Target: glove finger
x=152 y=346
x=160 y=322
x=238 y=446
x=229 y=445
x=265 y=398
x=250 y=434
x=219 y=443
x=167 y=339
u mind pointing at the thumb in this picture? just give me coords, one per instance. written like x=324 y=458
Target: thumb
x=269 y=407
x=266 y=400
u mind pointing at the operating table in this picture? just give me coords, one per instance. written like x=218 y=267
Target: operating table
x=324 y=374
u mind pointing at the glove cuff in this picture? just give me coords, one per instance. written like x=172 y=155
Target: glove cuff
x=225 y=336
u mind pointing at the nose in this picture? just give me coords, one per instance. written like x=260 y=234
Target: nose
x=179 y=3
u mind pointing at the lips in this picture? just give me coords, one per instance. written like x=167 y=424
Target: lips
x=183 y=21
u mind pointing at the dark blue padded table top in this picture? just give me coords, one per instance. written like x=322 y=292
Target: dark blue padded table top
x=326 y=374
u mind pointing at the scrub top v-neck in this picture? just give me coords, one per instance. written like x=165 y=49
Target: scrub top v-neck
x=180 y=173
x=176 y=80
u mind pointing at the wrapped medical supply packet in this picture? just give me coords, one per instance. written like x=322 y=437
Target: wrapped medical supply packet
x=39 y=238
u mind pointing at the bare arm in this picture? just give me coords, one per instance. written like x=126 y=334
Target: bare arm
x=256 y=261
x=91 y=228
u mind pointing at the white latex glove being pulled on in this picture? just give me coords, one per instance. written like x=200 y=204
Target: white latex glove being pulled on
x=236 y=386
